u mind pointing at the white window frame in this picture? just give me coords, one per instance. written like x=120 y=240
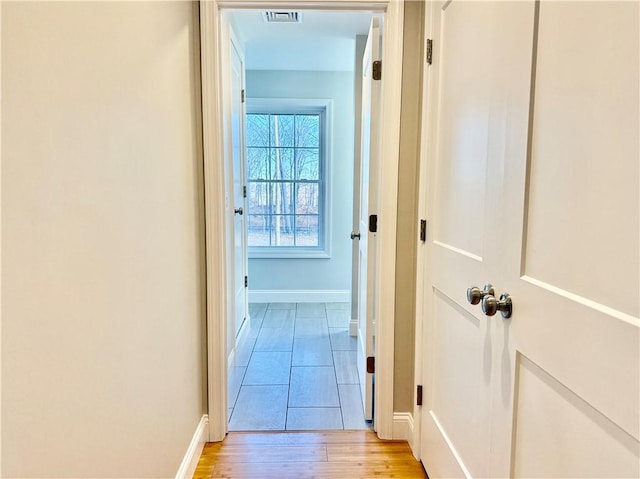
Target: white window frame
x=301 y=106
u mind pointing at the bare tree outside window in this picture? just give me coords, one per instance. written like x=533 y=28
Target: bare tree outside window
x=284 y=172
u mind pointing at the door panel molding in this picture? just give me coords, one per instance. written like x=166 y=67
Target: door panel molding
x=602 y=308
x=610 y=451
x=592 y=226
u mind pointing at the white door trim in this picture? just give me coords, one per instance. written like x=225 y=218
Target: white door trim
x=388 y=211
x=421 y=251
x=215 y=226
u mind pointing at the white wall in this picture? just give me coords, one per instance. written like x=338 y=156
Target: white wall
x=102 y=281
x=314 y=274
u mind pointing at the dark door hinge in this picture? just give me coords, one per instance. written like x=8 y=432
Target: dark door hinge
x=244 y=191
x=373 y=223
x=419 y=396
x=377 y=70
x=429 y=51
x=371 y=364
x=242 y=95
x=423 y=230
x=246 y=281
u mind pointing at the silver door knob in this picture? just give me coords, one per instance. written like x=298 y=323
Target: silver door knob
x=490 y=305
x=239 y=211
x=354 y=235
x=475 y=295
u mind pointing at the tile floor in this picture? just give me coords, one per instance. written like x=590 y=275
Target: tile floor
x=295 y=369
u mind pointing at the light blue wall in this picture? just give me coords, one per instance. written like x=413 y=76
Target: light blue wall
x=314 y=274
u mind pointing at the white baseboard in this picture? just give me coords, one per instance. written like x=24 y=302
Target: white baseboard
x=299 y=296
x=403 y=427
x=353 y=327
x=192 y=456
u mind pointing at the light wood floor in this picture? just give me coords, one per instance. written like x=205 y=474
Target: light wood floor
x=307 y=455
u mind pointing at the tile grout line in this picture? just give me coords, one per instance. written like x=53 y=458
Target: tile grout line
x=293 y=343
x=245 y=373
x=335 y=374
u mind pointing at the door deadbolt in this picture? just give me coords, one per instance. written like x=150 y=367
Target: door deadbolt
x=490 y=305
x=475 y=295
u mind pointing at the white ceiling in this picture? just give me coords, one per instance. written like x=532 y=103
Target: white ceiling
x=323 y=41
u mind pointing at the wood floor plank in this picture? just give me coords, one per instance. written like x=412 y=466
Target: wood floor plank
x=263 y=453
x=387 y=451
x=203 y=471
x=320 y=470
x=308 y=455
x=301 y=438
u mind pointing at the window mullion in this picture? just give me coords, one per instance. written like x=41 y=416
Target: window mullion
x=294 y=185
x=271 y=188
x=321 y=181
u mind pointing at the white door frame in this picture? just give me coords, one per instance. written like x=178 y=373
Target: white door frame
x=215 y=224
x=421 y=251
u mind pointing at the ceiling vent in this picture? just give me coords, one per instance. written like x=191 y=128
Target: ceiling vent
x=282 y=17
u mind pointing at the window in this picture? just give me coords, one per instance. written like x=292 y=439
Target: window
x=286 y=179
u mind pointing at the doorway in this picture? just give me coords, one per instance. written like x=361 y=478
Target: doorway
x=292 y=363
x=217 y=207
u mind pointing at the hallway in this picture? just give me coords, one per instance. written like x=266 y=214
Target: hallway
x=295 y=369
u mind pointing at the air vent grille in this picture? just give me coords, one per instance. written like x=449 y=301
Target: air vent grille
x=282 y=17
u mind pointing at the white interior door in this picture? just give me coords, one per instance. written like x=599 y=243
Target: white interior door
x=238 y=178
x=461 y=202
x=571 y=209
x=534 y=187
x=370 y=153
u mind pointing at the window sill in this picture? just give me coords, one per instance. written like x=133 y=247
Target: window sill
x=288 y=254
